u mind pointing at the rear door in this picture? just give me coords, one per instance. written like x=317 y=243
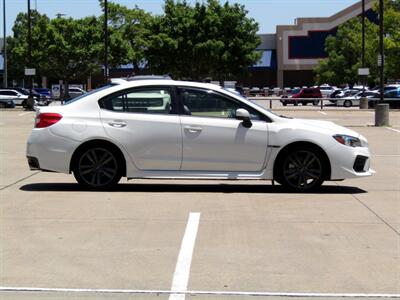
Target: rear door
x=144 y=121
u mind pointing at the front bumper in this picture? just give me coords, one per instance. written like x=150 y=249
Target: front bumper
x=349 y=162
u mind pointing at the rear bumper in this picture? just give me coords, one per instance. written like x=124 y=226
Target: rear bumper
x=46 y=151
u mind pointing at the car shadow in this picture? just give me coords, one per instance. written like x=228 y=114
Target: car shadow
x=190 y=188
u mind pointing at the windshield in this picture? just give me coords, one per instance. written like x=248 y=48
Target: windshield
x=295 y=91
x=88 y=94
x=23 y=91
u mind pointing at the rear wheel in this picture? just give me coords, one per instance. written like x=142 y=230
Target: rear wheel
x=24 y=104
x=301 y=169
x=97 y=168
x=347 y=103
x=304 y=103
x=315 y=102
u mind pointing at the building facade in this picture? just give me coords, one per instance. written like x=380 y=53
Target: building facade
x=290 y=55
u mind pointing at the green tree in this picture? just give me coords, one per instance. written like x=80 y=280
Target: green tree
x=202 y=41
x=392 y=39
x=17 y=49
x=129 y=29
x=63 y=48
x=344 y=54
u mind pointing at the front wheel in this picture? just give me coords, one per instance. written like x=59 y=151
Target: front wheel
x=301 y=169
x=97 y=168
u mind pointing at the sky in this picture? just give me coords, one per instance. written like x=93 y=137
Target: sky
x=268 y=13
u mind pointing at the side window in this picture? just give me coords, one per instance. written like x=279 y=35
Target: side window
x=203 y=103
x=149 y=100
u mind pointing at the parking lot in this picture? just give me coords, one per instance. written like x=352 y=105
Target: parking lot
x=225 y=239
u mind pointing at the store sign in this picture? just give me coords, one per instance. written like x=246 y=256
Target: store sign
x=363 y=71
x=30 y=72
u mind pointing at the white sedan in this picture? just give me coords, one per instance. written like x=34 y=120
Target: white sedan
x=175 y=129
x=355 y=99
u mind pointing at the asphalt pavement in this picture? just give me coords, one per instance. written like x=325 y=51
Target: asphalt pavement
x=225 y=239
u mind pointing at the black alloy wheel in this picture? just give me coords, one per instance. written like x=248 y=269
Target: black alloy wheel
x=97 y=168
x=302 y=170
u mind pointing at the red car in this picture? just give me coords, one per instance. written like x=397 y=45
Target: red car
x=304 y=93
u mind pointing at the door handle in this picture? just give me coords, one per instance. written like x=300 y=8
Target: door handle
x=193 y=129
x=117 y=123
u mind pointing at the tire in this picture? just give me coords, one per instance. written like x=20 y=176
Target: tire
x=97 y=168
x=315 y=102
x=24 y=104
x=301 y=169
x=284 y=103
x=296 y=103
x=347 y=103
x=304 y=103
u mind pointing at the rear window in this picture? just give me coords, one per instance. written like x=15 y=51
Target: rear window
x=88 y=94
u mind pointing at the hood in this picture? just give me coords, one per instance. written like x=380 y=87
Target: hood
x=325 y=126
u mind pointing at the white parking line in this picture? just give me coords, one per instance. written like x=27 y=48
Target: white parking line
x=182 y=269
x=209 y=293
x=393 y=129
x=322 y=112
x=25 y=113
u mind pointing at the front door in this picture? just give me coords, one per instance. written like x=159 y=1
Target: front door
x=214 y=140
x=143 y=121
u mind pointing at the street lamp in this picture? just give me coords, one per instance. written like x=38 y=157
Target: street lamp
x=105 y=41
x=5 y=46
x=381 y=50
x=363 y=44
x=30 y=72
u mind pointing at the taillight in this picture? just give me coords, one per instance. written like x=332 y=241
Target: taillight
x=47 y=119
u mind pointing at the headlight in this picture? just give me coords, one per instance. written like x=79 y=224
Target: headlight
x=350 y=141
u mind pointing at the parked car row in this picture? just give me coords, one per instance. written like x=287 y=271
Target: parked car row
x=346 y=97
x=352 y=97
x=10 y=97
x=19 y=96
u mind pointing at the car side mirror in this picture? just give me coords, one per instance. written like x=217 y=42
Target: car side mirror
x=244 y=115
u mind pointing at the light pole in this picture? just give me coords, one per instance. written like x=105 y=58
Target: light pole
x=105 y=41
x=363 y=44
x=30 y=101
x=5 y=79
x=381 y=49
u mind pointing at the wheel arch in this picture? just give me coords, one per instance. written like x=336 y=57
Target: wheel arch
x=99 y=142
x=286 y=149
